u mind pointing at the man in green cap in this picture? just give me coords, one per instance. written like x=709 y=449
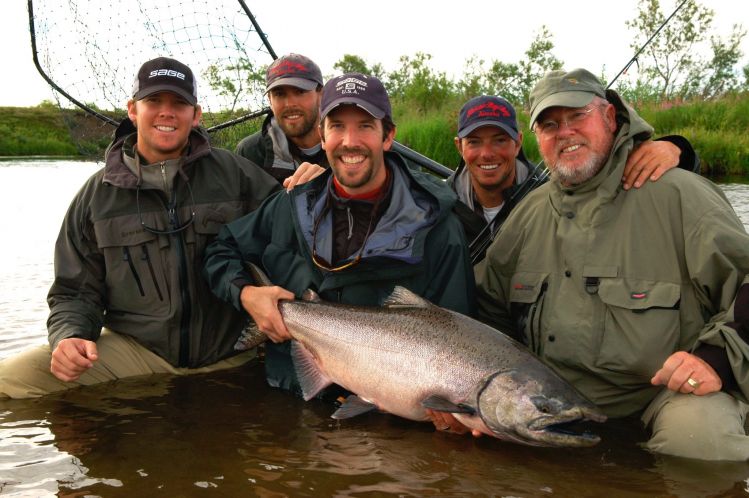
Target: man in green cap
x=639 y=298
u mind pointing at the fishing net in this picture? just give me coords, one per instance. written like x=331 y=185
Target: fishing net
x=90 y=50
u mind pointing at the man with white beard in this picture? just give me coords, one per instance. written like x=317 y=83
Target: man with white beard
x=639 y=298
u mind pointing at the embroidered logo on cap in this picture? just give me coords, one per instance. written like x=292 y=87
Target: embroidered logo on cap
x=638 y=295
x=351 y=86
x=489 y=109
x=287 y=67
x=166 y=72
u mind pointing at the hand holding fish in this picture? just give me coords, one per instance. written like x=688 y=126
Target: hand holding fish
x=444 y=421
x=262 y=305
x=72 y=357
x=687 y=373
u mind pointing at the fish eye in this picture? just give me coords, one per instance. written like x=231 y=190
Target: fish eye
x=545 y=405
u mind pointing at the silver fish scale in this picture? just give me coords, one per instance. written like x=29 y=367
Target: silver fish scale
x=397 y=356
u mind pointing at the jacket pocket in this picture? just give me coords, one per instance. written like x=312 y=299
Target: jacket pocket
x=209 y=218
x=641 y=324
x=135 y=275
x=527 y=293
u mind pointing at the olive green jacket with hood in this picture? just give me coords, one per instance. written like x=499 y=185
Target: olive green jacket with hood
x=605 y=284
x=110 y=271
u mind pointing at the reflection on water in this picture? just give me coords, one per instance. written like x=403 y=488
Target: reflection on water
x=228 y=434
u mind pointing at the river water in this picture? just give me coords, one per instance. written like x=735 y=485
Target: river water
x=227 y=434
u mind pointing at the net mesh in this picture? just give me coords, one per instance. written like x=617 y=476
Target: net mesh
x=91 y=50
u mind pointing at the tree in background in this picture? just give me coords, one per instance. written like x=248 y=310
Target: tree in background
x=511 y=80
x=236 y=82
x=355 y=64
x=416 y=82
x=514 y=81
x=672 y=65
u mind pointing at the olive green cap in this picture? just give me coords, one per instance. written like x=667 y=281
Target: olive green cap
x=561 y=88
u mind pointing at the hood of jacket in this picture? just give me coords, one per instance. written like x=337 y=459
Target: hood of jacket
x=460 y=180
x=631 y=130
x=418 y=202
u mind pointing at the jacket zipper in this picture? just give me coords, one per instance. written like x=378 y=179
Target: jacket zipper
x=163 y=177
x=150 y=269
x=126 y=257
x=184 y=326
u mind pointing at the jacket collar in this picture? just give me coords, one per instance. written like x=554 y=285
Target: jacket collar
x=117 y=173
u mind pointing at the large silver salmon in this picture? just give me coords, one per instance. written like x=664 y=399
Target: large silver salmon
x=409 y=355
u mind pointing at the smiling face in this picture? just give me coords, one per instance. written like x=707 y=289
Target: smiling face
x=574 y=154
x=297 y=112
x=489 y=154
x=164 y=121
x=353 y=141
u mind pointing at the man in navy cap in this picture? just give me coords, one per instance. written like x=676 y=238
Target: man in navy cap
x=288 y=142
x=352 y=234
x=128 y=298
x=494 y=168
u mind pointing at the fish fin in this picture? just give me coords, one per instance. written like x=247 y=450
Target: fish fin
x=250 y=337
x=258 y=275
x=311 y=296
x=352 y=407
x=402 y=297
x=311 y=378
x=440 y=404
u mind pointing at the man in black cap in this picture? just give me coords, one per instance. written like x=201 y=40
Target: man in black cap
x=130 y=249
x=288 y=140
x=494 y=172
x=352 y=234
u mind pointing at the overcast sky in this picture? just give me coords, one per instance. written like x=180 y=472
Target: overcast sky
x=586 y=33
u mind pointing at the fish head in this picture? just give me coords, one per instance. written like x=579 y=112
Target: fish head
x=534 y=406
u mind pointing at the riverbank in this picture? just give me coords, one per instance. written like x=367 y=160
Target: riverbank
x=716 y=129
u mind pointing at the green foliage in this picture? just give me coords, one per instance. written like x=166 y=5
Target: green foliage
x=415 y=82
x=671 y=64
x=236 y=82
x=355 y=64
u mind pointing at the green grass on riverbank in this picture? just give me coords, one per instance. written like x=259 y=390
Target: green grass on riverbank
x=717 y=130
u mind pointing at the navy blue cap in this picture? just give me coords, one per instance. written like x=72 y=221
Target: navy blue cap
x=487 y=110
x=357 y=89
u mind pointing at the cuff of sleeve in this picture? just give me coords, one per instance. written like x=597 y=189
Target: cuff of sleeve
x=688 y=158
x=236 y=290
x=717 y=358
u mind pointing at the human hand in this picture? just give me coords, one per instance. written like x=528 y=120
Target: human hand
x=444 y=421
x=304 y=173
x=680 y=368
x=649 y=161
x=72 y=357
x=262 y=305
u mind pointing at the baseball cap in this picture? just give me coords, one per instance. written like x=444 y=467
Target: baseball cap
x=294 y=70
x=357 y=89
x=165 y=75
x=487 y=110
x=575 y=88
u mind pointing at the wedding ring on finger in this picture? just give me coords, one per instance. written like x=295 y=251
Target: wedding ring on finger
x=693 y=383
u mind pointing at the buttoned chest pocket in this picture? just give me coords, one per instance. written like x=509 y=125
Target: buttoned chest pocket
x=135 y=273
x=641 y=324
